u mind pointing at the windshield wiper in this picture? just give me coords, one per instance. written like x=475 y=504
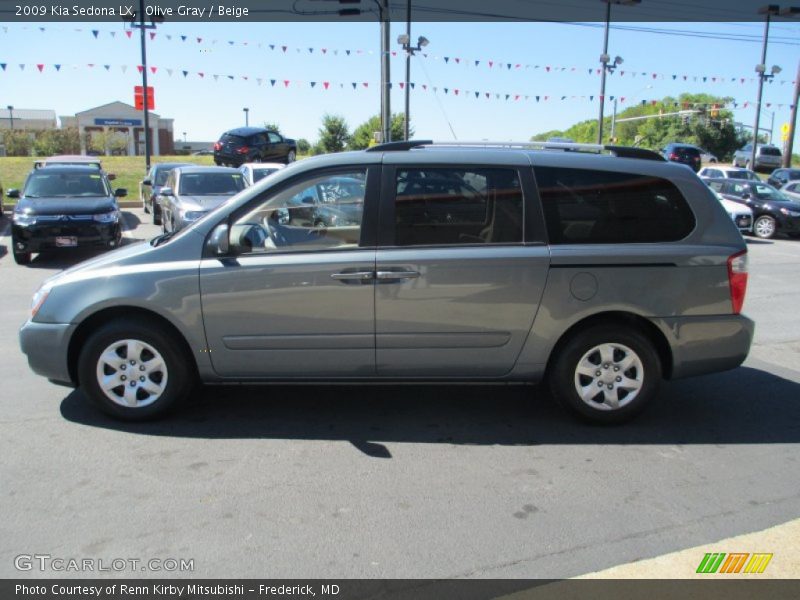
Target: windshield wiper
x=160 y=239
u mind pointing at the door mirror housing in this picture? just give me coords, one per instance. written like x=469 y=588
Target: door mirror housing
x=120 y=193
x=218 y=242
x=12 y=193
x=166 y=191
x=147 y=182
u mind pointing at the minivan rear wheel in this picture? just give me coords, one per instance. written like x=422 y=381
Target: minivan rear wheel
x=606 y=374
x=133 y=370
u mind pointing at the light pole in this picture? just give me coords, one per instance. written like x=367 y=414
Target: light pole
x=184 y=137
x=246 y=117
x=386 y=109
x=141 y=25
x=10 y=116
x=405 y=41
x=761 y=69
x=605 y=59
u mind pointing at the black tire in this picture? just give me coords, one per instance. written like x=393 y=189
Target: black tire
x=156 y=215
x=145 y=207
x=22 y=258
x=764 y=227
x=180 y=377
x=564 y=379
x=291 y=157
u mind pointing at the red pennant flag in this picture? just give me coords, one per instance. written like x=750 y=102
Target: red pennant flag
x=201 y=74
x=152 y=35
x=458 y=60
x=90 y=65
x=140 y=68
x=455 y=92
x=365 y=84
x=285 y=83
x=41 y=66
x=491 y=64
x=547 y=68
x=128 y=33
x=655 y=75
x=402 y=85
x=324 y=50
x=622 y=99
x=153 y=70
x=516 y=97
x=325 y=84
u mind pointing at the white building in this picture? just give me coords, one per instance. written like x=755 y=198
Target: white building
x=124 y=118
x=27 y=118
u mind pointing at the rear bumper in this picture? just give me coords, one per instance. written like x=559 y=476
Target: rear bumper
x=46 y=345
x=702 y=345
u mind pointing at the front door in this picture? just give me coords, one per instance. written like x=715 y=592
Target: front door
x=457 y=286
x=296 y=298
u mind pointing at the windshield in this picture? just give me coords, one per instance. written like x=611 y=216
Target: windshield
x=161 y=176
x=769 y=151
x=259 y=174
x=770 y=193
x=210 y=184
x=742 y=174
x=43 y=183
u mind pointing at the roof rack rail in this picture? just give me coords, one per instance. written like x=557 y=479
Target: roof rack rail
x=620 y=151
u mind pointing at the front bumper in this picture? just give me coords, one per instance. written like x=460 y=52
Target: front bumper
x=46 y=345
x=702 y=345
x=34 y=238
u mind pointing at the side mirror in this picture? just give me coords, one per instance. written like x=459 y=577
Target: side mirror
x=12 y=193
x=166 y=191
x=218 y=241
x=147 y=182
x=120 y=193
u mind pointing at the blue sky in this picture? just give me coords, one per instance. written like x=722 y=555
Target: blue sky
x=203 y=107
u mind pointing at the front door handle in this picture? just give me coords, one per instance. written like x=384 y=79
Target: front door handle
x=354 y=276
x=391 y=275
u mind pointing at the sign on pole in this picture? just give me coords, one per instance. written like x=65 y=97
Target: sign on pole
x=138 y=97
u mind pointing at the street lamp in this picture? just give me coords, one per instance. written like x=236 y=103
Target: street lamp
x=246 y=117
x=10 y=116
x=405 y=41
x=605 y=61
x=184 y=137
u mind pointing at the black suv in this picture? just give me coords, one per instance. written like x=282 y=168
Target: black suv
x=773 y=211
x=253 y=144
x=684 y=154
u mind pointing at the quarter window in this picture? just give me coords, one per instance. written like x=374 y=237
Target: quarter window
x=320 y=213
x=584 y=206
x=439 y=206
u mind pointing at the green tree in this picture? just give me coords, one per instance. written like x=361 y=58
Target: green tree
x=303 y=146
x=364 y=133
x=18 y=142
x=333 y=135
x=57 y=141
x=273 y=127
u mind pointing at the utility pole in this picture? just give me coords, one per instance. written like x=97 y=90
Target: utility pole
x=144 y=85
x=386 y=111
x=408 y=73
x=787 y=156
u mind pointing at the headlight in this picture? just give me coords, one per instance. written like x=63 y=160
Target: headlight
x=193 y=215
x=38 y=299
x=109 y=217
x=790 y=213
x=24 y=219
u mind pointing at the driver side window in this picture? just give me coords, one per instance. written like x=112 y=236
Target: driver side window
x=318 y=213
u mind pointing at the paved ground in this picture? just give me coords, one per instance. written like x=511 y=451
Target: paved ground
x=404 y=481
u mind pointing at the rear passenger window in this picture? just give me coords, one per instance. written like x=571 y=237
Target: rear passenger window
x=441 y=206
x=584 y=206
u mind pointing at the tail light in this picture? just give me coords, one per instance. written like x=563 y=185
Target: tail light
x=217 y=146
x=673 y=156
x=737 y=279
x=243 y=150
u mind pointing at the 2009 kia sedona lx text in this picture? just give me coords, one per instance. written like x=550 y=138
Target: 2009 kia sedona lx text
x=600 y=270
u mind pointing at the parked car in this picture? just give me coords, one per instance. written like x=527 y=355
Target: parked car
x=720 y=172
x=768 y=157
x=191 y=192
x=253 y=144
x=66 y=160
x=63 y=207
x=741 y=215
x=683 y=153
x=598 y=274
x=773 y=211
x=781 y=177
x=332 y=202
x=254 y=172
x=792 y=190
x=707 y=157
x=209 y=152
x=150 y=186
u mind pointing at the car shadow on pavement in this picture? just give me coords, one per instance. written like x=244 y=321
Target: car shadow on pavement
x=743 y=406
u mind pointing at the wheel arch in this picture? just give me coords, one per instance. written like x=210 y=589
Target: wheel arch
x=625 y=319
x=106 y=315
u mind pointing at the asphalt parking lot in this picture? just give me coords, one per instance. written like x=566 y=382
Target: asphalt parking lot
x=400 y=481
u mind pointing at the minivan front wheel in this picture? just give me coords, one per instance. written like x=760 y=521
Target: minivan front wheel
x=133 y=370
x=606 y=374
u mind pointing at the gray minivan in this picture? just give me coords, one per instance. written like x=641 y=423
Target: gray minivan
x=598 y=273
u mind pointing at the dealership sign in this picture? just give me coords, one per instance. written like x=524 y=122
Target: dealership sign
x=118 y=122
